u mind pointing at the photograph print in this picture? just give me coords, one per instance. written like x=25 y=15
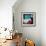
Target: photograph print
x=28 y=19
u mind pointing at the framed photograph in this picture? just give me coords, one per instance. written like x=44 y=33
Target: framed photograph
x=28 y=19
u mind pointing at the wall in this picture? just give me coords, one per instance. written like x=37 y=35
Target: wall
x=6 y=13
x=33 y=33
x=43 y=22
